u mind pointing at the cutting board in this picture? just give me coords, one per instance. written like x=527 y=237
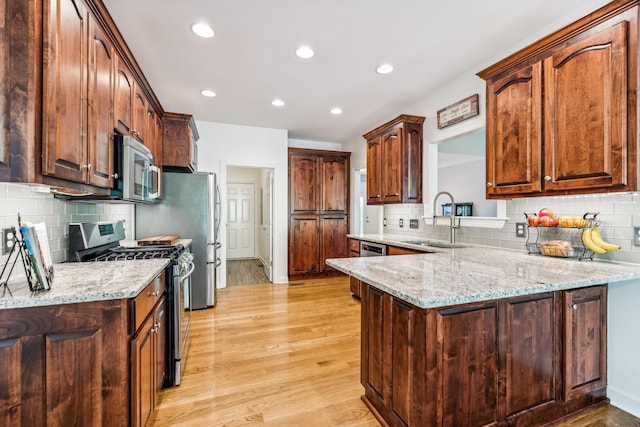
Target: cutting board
x=159 y=240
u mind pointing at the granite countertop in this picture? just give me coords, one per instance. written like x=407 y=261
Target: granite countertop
x=475 y=273
x=84 y=282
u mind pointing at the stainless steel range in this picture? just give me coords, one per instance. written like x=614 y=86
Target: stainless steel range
x=100 y=241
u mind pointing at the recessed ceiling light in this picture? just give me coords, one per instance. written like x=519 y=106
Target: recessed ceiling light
x=305 y=52
x=384 y=69
x=207 y=92
x=277 y=103
x=203 y=30
x=336 y=111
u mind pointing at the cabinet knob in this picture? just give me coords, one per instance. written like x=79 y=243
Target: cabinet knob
x=489 y=184
x=88 y=167
x=547 y=178
x=155 y=293
x=115 y=176
x=574 y=306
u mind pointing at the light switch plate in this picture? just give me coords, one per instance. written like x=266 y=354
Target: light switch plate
x=636 y=236
x=413 y=223
x=521 y=229
x=401 y=223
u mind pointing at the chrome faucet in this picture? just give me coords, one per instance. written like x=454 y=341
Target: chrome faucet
x=452 y=224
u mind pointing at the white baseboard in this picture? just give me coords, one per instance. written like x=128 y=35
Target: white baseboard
x=624 y=401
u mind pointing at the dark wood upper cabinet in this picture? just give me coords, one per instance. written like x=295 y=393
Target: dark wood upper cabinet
x=101 y=81
x=514 y=135
x=394 y=161
x=64 y=115
x=179 y=138
x=123 y=96
x=78 y=84
x=562 y=113
x=69 y=81
x=586 y=111
x=318 y=208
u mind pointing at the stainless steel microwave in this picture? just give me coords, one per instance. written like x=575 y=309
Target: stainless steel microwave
x=137 y=178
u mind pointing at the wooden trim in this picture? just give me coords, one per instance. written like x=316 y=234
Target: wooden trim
x=404 y=118
x=120 y=45
x=531 y=51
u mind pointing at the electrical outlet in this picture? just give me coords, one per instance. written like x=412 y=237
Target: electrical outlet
x=521 y=230
x=7 y=240
x=401 y=223
x=413 y=223
x=636 y=236
x=384 y=222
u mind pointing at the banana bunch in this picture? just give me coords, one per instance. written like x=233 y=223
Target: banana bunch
x=593 y=240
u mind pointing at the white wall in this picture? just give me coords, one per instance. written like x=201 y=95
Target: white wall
x=623 y=370
x=222 y=145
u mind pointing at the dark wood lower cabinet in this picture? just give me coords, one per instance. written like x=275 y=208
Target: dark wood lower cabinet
x=87 y=364
x=65 y=365
x=148 y=364
x=521 y=361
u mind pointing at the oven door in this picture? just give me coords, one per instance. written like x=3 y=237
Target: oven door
x=182 y=309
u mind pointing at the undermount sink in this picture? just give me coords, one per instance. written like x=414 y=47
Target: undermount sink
x=435 y=244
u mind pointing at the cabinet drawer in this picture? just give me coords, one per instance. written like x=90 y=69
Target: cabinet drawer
x=354 y=246
x=147 y=299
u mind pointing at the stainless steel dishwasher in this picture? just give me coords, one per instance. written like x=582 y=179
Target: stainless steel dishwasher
x=372 y=249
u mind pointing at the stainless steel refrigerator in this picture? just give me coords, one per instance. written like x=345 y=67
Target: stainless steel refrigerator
x=190 y=207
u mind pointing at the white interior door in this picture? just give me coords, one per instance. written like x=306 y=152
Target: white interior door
x=267 y=215
x=240 y=221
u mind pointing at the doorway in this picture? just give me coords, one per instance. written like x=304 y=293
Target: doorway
x=249 y=225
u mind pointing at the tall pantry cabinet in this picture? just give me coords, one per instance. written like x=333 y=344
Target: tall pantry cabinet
x=318 y=210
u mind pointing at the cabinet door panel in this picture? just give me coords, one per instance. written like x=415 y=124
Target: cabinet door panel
x=304 y=245
x=374 y=171
x=73 y=378
x=586 y=112
x=334 y=239
x=335 y=184
x=303 y=184
x=64 y=90
x=412 y=170
x=514 y=132
x=531 y=349
x=378 y=327
x=468 y=365
x=161 y=345
x=585 y=341
x=5 y=107
x=123 y=113
x=392 y=166
x=142 y=374
x=402 y=335
x=140 y=114
x=100 y=107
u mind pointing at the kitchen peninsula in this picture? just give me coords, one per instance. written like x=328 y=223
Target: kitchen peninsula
x=482 y=336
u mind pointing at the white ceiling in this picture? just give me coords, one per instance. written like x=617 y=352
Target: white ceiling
x=251 y=60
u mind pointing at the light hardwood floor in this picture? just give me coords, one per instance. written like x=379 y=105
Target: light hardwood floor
x=286 y=356
x=245 y=272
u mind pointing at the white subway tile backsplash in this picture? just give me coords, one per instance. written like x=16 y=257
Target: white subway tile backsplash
x=619 y=212
x=35 y=206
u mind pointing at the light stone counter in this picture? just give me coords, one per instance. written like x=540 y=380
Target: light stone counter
x=475 y=273
x=84 y=282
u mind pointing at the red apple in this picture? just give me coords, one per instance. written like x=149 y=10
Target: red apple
x=545 y=212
